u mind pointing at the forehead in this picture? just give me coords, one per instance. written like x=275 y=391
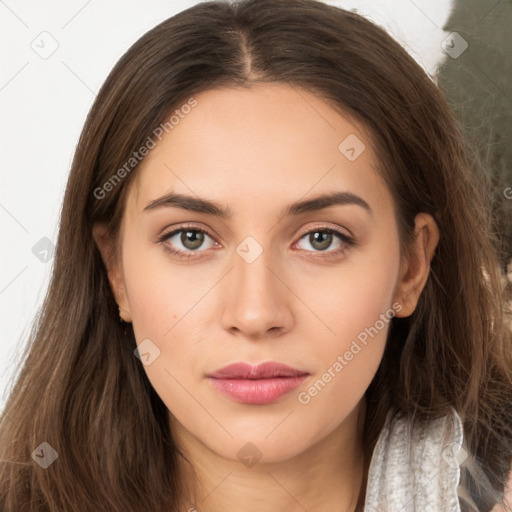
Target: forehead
x=268 y=141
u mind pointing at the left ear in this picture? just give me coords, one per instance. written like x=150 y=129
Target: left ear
x=415 y=268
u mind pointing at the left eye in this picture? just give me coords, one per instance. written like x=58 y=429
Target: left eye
x=322 y=239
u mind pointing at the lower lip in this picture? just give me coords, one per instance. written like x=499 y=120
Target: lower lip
x=257 y=392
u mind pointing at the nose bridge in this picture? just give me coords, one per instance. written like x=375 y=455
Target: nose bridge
x=253 y=276
x=255 y=300
x=252 y=270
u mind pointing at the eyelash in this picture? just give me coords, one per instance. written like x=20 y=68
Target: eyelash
x=347 y=241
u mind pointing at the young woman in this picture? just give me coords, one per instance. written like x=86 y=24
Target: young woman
x=275 y=287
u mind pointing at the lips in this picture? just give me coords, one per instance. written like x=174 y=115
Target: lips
x=267 y=370
x=256 y=385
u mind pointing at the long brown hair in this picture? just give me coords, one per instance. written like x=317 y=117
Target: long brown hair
x=82 y=391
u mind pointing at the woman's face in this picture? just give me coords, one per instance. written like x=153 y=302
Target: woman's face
x=263 y=283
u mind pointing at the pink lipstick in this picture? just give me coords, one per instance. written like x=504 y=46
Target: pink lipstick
x=257 y=385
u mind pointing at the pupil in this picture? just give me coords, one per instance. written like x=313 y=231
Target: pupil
x=192 y=239
x=325 y=240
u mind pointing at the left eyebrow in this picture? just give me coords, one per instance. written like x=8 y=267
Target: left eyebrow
x=209 y=207
x=324 y=201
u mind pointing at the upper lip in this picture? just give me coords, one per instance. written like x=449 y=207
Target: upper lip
x=261 y=371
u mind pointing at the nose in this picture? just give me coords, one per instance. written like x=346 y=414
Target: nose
x=257 y=301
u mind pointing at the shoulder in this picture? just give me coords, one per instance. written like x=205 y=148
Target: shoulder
x=425 y=463
x=418 y=462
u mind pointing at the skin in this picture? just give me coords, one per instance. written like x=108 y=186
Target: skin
x=256 y=151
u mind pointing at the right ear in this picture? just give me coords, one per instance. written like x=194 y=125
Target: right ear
x=105 y=245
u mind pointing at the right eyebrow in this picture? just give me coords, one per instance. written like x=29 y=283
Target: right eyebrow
x=190 y=203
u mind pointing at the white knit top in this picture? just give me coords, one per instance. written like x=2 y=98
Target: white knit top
x=416 y=470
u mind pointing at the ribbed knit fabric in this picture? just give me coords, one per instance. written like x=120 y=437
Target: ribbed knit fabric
x=416 y=470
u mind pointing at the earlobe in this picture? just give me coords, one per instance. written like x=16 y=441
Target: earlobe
x=104 y=243
x=415 y=268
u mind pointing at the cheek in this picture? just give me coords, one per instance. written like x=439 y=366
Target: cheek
x=356 y=306
x=166 y=302
x=162 y=297
x=351 y=298
x=162 y=294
